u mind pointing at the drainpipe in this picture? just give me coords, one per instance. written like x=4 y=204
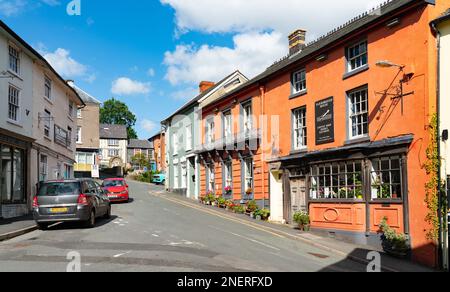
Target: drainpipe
x=262 y=91
x=443 y=263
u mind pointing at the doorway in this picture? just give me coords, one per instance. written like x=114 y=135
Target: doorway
x=298 y=196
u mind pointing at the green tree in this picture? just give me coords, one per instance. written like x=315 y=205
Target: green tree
x=141 y=160
x=115 y=112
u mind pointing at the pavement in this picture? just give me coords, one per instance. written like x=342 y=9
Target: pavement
x=10 y=228
x=163 y=232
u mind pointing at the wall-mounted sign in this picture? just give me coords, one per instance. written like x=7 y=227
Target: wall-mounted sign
x=325 y=121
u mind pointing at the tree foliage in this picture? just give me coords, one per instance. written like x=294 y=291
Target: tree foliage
x=115 y=112
x=141 y=160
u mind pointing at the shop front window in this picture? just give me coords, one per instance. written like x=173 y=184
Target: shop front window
x=337 y=181
x=12 y=175
x=386 y=178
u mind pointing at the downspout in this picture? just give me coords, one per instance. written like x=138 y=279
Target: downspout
x=438 y=139
x=262 y=90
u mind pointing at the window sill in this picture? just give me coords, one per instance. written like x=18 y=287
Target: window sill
x=47 y=138
x=298 y=94
x=15 y=75
x=299 y=151
x=355 y=72
x=357 y=140
x=48 y=100
x=70 y=118
x=14 y=123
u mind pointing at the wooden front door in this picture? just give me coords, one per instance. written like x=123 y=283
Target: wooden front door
x=298 y=196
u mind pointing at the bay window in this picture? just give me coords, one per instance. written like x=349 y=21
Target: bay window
x=386 y=178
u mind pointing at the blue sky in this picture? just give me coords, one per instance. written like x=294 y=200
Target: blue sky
x=152 y=54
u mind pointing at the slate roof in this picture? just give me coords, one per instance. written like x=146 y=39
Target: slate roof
x=139 y=144
x=113 y=132
x=326 y=41
x=86 y=97
x=198 y=97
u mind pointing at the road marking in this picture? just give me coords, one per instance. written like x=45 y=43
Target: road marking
x=155 y=235
x=249 y=239
x=222 y=216
x=121 y=254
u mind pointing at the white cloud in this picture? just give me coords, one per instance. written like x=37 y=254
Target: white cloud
x=11 y=7
x=185 y=94
x=64 y=64
x=151 y=72
x=126 y=86
x=149 y=126
x=217 y=16
x=260 y=29
x=252 y=53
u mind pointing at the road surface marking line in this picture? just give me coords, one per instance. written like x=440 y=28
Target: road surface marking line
x=224 y=217
x=255 y=241
x=121 y=254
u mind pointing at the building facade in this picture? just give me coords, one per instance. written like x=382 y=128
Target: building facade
x=87 y=135
x=159 y=154
x=140 y=147
x=441 y=27
x=339 y=128
x=16 y=123
x=183 y=137
x=113 y=146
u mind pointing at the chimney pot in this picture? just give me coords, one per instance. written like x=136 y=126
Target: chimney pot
x=205 y=85
x=297 y=41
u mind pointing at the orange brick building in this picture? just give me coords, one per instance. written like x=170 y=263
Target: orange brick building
x=159 y=145
x=338 y=128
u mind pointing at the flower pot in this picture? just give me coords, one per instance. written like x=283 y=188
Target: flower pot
x=306 y=228
x=259 y=217
x=252 y=215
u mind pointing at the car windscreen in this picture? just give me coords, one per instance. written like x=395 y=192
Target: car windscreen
x=55 y=189
x=113 y=183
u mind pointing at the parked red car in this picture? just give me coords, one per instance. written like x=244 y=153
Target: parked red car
x=117 y=189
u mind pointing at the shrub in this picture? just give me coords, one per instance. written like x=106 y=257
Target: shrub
x=239 y=209
x=391 y=239
x=221 y=202
x=301 y=218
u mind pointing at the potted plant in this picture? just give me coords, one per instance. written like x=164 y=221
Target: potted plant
x=303 y=220
x=265 y=214
x=239 y=209
x=249 y=191
x=251 y=207
x=229 y=204
x=221 y=202
x=393 y=243
x=210 y=198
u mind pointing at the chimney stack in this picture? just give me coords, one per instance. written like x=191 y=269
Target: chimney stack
x=205 y=85
x=297 y=41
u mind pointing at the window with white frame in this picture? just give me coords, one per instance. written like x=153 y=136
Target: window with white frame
x=357 y=56
x=79 y=135
x=13 y=104
x=299 y=81
x=47 y=123
x=227 y=125
x=210 y=131
x=358 y=113
x=113 y=142
x=113 y=152
x=188 y=137
x=248 y=118
x=386 y=178
x=14 y=60
x=211 y=177
x=43 y=168
x=248 y=176
x=79 y=114
x=71 y=109
x=48 y=88
x=228 y=175
x=299 y=128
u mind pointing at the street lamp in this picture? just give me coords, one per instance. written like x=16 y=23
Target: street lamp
x=405 y=79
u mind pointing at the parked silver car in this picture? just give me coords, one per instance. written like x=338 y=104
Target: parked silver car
x=70 y=201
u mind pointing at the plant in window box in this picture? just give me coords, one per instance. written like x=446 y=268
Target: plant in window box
x=394 y=243
x=359 y=193
x=228 y=190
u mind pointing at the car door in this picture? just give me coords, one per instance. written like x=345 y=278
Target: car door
x=93 y=192
x=102 y=197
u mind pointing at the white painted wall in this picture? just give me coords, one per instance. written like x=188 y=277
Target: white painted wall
x=104 y=151
x=23 y=81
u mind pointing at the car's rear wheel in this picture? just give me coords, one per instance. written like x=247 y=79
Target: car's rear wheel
x=90 y=223
x=108 y=213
